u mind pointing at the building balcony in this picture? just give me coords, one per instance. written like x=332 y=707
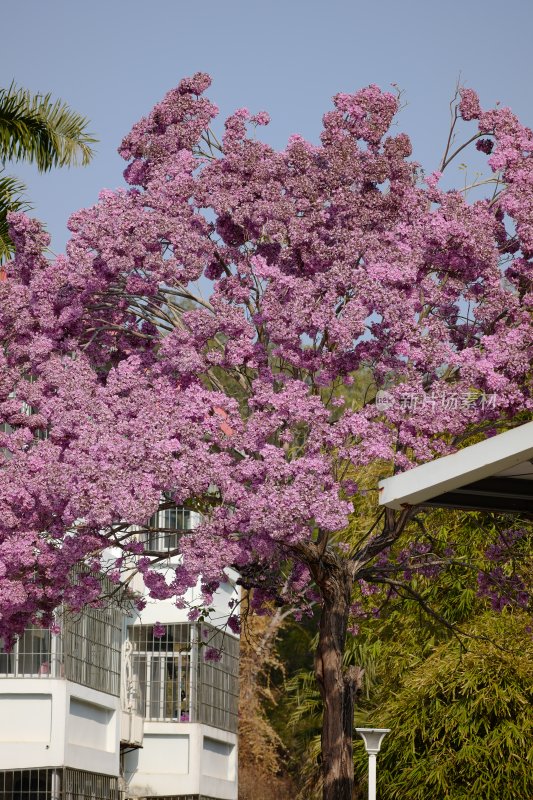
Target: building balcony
x=60 y=692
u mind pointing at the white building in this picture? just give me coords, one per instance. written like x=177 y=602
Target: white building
x=106 y=710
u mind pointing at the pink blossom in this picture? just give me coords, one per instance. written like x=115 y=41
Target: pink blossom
x=335 y=275
x=234 y=624
x=469 y=105
x=212 y=654
x=262 y=118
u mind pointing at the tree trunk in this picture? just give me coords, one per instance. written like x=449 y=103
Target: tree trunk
x=338 y=686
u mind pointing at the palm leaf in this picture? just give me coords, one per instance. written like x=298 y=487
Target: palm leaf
x=11 y=199
x=38 y=130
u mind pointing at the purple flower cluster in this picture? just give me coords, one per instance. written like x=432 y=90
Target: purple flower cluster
x=120 y=384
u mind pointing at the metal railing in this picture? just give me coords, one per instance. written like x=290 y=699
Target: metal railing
x=181 y=797
x=168 y=526
x=81 y=785
x=57 y=784
x=37 y=653
x=87 y=651
x=162 y=671
x=175 y=680
x=218 y=683
x=92 y=644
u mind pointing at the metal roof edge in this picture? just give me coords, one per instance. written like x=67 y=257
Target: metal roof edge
x=444 y=474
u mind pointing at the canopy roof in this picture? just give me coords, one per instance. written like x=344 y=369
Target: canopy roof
x=493 y=475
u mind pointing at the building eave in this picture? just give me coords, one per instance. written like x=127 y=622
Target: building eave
x=495 y=474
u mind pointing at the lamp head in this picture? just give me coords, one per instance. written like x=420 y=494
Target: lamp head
x=372 y=737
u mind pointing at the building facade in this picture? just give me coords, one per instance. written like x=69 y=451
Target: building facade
x=104 y=708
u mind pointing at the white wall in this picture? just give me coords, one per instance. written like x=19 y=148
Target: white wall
x=179 y=758
x=47 y=722
x=32 y=720
x=26 y=718
x=91 y=725
x=183 y=758
x=92 y=730
x=165 y=611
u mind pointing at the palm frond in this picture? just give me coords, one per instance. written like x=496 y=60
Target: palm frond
x=38 y=130
x=11 y=199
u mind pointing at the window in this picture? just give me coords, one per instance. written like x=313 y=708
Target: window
x=37 y=653
x=219 y=680
x=169 y=525
x=57 y=784
x=162 y=668
x=81 y=785
x=181 y=797
x=92 y=642
x=175 y=680
x=87 y=651
x=30 y=784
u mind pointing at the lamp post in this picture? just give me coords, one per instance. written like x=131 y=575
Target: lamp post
x=372 y=737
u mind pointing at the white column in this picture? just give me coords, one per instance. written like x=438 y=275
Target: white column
x=55 y=788
x=371 y=776
x=54 y=657
x=194 y=675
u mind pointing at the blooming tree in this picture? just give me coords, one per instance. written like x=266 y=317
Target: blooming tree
x=245 y=329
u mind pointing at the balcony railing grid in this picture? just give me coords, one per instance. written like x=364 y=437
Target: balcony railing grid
x=81 y=785
x=37 y=653
x=92 y=644
x=181 y=797
x=57 y=784
x=168 y=526
x=219 y=680
x=86 y=652
x=175 y=680
x=162 y=672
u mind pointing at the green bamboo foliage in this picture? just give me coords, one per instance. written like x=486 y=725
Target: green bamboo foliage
x=462 y=722
x=456 y=688
x=461 y=718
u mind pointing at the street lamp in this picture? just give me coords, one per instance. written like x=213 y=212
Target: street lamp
x=372 y=737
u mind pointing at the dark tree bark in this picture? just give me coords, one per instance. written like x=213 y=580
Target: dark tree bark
x=338 y=686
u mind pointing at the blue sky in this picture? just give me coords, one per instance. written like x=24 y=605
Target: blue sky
x=112 y=60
